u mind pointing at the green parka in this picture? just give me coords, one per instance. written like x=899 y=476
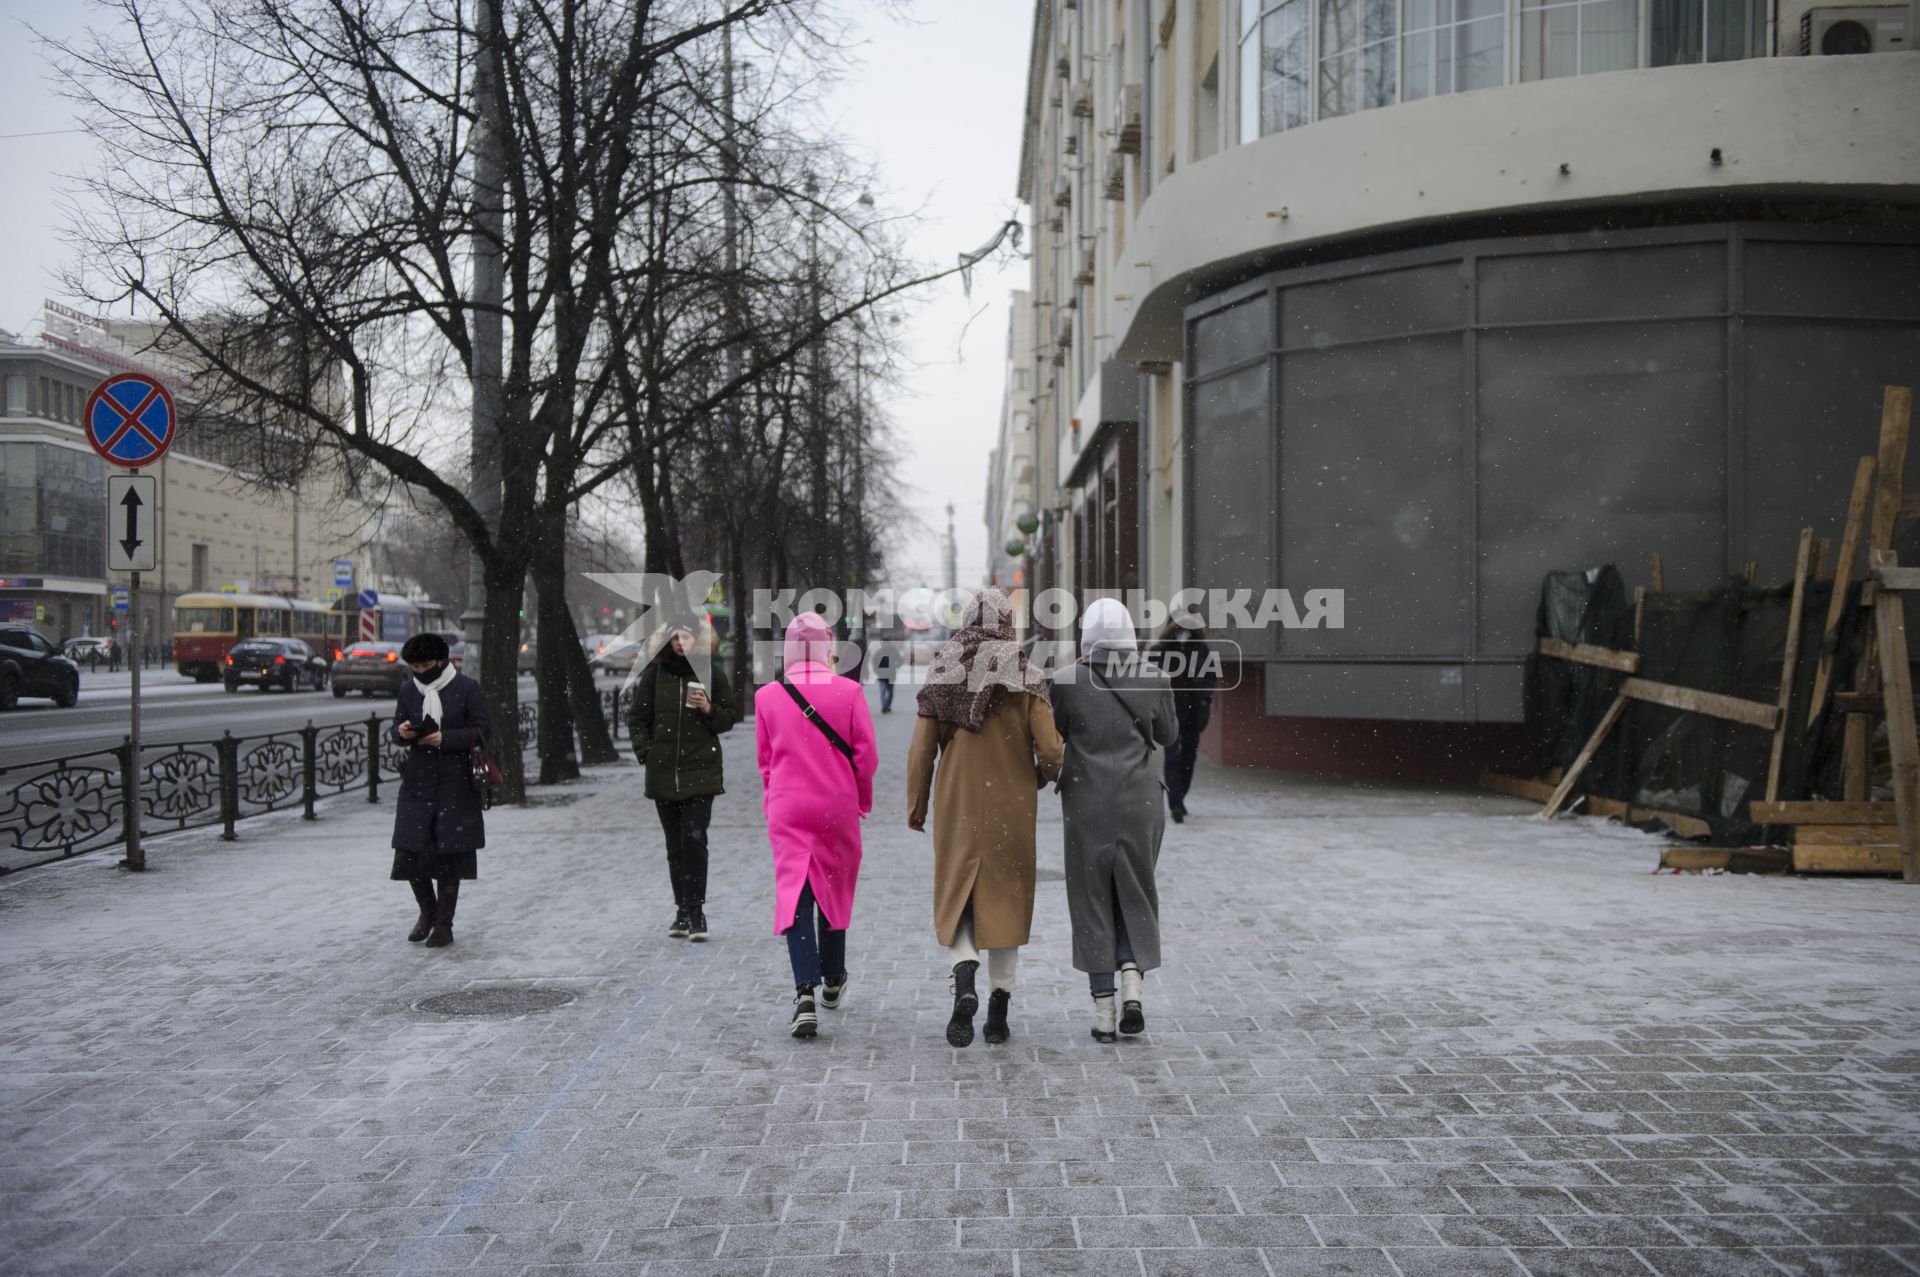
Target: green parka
x=678 y=745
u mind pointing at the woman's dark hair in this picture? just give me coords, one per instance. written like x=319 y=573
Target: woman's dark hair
x=424 y=647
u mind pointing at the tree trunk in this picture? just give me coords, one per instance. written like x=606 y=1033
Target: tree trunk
x=740 y=594
x=589 y=715
x=506 y=577
x=554 y=738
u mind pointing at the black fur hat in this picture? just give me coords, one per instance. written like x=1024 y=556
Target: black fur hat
x=424 y=647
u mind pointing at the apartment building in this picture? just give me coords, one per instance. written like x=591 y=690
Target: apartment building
x=1422 y=299
x=1013 y=496
x=218 y=529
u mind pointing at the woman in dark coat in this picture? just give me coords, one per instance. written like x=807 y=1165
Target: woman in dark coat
x=1116 y=719
x=438 y=826
x=674 y=720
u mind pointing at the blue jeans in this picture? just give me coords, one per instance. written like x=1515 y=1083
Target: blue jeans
x=1101 y=982
x=812 y=956
x=886 y=695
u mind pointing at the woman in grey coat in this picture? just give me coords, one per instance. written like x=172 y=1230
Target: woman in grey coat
x=1117 y=720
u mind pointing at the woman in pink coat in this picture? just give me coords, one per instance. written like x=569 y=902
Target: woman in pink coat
x=817 y=761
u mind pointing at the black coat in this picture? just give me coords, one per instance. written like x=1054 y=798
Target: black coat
x=1193 y=679
x=438 y=822
x=679 y=747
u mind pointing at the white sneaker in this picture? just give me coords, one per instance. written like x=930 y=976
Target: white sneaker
x=805 y=1022
x=831 y=993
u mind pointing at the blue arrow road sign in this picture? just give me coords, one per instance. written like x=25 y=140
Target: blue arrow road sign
x=369 y=598
x=130 y=420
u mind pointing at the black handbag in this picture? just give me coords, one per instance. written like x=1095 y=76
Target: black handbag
x=826 y=729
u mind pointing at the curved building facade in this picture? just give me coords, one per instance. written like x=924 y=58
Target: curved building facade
x=1422 y=300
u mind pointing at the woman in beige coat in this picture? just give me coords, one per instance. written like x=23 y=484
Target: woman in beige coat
x=984 y=745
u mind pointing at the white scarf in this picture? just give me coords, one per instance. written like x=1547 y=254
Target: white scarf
x=430 y=692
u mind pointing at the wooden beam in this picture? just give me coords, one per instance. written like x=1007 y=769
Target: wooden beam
x=1896 y=413
x=1695 y=859
x=1819 y=813
x=1896 y=579
x=1856 y=703
x=1639 y=613
x=1732 y=708
x=1903 y=739
x=1846 y=858
x=1820 y=549
x=1854 y=835
x=1534 y=790
x=1842 y=578
x=1659 y=575
x=1585 y=756
x=1789 y=660
x=1611 y=658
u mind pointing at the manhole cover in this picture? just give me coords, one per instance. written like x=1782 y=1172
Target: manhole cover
x=496 y=1000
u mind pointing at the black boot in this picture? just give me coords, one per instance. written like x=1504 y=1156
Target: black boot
x=423 y=893
x=965 y=1003
x=697 y=921
x=996 y=1030
x=442 y=933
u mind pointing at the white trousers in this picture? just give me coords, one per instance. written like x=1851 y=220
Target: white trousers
x=1001 y=963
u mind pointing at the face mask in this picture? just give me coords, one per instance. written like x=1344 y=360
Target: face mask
x=432 y=672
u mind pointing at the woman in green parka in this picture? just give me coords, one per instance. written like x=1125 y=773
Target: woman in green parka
x=674 y=720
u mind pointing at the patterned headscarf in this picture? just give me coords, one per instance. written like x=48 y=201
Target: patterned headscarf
x=981 y=656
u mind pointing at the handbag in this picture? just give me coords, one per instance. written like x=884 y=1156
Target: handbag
x=826 y=729
x=485 y=774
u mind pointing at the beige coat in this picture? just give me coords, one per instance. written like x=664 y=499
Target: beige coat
x=984 y=799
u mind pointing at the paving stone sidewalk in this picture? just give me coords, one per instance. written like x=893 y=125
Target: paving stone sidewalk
x=1398 y=1033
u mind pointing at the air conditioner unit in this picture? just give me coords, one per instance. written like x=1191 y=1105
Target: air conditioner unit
x=1126 y=120
x=1082 y=99
x=1063 y=67
x=1086 y=273
x=1055 y=222
x=1062 y=192
x=1115 y=185
x=1856 y=29
x=1063 y=332
x=1071 y=146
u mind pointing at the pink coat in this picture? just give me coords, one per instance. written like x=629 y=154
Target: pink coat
x=814 y=800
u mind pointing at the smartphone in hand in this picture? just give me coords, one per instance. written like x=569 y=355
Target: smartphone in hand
x=425 y=726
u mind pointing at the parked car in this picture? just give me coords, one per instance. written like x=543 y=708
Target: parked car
x=614 y=652
x=374 y=669
x=30 y=665
x=80 y=649
x=288 y=664
x=529 y=659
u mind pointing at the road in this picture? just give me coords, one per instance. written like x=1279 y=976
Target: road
x=175 y=709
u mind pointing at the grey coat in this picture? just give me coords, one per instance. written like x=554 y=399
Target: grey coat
x=1112 y=798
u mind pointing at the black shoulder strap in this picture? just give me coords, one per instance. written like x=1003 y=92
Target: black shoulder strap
x=813 y=716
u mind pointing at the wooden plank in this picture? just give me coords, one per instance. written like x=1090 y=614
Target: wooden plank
x=1842 y=578
x=1820 y=549
x=1639 y=613
x=1813 y=858
x=1732 y=708
x=1893 y=579
x=1614 y=809
x=1534 y=790
x=1903 y=739
x=1789 y=660
x=1659 y=575
x=1856 y=703
x=1849 y=834
x=1585 y=756
x=1610 y=658
x=1896 y=413
x=1695 y=859
x=1819 y=813
x=1760 y=860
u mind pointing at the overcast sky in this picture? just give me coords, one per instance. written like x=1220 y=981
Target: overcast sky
x=934 y=100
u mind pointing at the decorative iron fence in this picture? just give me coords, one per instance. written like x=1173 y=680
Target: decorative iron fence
x=61 y=807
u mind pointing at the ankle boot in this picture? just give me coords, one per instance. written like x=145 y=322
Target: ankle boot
x=1103 y=1018
x=423 y=894
x=1133 y=1018
x=442 y=933
x=965 y=1003
x=996 y=1030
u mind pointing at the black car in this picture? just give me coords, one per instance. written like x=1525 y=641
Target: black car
x=32 y=666
x=288 y=664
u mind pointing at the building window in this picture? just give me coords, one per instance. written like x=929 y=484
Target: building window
x=16 y=395
x=1358 y=59
x=1682 y=31
x=1576 y=37
x=1275 y=68
x=1452 y=46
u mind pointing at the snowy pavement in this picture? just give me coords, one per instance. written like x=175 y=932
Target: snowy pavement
x=1398 y=1033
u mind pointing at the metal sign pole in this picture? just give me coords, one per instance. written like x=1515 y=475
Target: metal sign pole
x=136 y=854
